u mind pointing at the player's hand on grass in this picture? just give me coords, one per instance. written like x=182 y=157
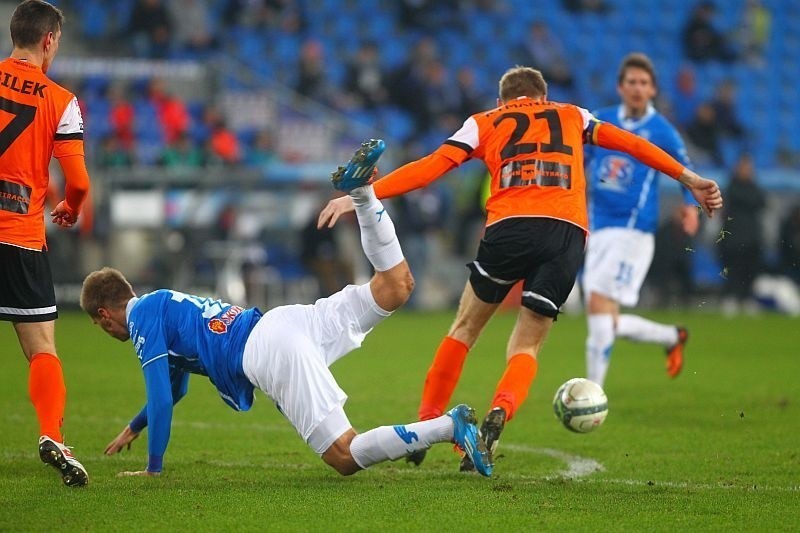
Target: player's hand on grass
x=144 y=473
x=63 y=215
x=335 y=209
x=121 y=441
x=705 y=191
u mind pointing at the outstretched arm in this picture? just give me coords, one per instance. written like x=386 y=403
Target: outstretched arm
x=409 y=177
x=705 y=191
x=180 y=384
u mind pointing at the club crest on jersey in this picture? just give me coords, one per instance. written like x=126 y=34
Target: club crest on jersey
x=616 y=173
x=220 y=325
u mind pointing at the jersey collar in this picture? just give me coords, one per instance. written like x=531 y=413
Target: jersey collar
x=129 y=307
x=630 y=123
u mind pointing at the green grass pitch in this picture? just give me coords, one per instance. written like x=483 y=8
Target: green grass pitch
x=715 y=449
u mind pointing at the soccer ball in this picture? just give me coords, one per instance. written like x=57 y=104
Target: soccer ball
x=581 y=405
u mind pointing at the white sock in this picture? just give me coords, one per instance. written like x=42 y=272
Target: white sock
x=393 y=442
x=640 y=329
x=598 y=346
x=378 y=237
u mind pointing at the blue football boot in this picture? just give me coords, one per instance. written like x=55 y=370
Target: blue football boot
x=358 y=170
x=465 y=435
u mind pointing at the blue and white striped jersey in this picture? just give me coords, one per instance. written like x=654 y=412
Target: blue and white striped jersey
x=174 y=334
x=623 y=192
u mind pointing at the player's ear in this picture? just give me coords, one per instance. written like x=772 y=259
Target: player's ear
x=102 y=312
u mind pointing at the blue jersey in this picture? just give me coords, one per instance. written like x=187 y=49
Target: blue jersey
x=175 y=334
x=623 y=192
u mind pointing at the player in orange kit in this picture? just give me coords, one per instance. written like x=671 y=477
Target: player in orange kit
x=536 y=227
x=38 y=120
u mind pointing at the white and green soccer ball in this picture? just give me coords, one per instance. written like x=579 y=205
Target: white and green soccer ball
x=581 y=405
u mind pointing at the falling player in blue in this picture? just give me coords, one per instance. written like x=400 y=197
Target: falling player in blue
x=285 y=353
x=623 y=217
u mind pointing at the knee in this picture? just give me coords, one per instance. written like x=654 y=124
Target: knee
x=393 y=287
x=338 y=456
x=405 y=286
x=345 y=468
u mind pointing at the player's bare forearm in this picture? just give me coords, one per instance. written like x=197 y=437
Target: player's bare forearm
x=124 y=439
x=705 y=191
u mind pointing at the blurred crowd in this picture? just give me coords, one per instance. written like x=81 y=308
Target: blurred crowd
x=419 y=91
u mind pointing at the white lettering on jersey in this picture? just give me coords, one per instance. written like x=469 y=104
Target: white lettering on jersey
x=71 y=121
x=210 y=308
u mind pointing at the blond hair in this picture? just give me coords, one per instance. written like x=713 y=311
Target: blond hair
x=106 y=288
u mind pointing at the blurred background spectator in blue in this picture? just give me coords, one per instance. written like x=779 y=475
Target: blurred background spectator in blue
x=151 y=26
x=742 y=238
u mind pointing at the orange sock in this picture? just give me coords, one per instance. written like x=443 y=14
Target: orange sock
x=513 y=386
x=48 y=393
x=442 y=378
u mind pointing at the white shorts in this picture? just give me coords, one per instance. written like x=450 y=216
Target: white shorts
x=288 y=353
x=617 y=261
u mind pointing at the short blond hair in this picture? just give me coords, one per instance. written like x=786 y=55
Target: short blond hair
x=105 y=288
x=522 y=81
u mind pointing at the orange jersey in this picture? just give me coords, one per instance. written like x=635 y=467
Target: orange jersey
x=38 y=119
x=534 y=153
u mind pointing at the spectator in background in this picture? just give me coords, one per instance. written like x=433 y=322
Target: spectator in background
x=263 y=151
x=121 y=115
x=181 y=152
x=320 y=254
x=724 y=104
x=790 y=244
x=112 y=153
x=742 y=236
x=425 y=14
x=687 y=99
x=364 y=81
x=471 y=98
x=671 y=272
x=437 y=103
x=701 y=40
x=703 y=133
x=546 y=53
x=193 y=26
x=583 y=6
x=422 y=213
x=172 y=114
x=714 y=121
x=312 y=78
x=222 y=145
x=755 y=31
x=407 y=81
x=151 y=26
